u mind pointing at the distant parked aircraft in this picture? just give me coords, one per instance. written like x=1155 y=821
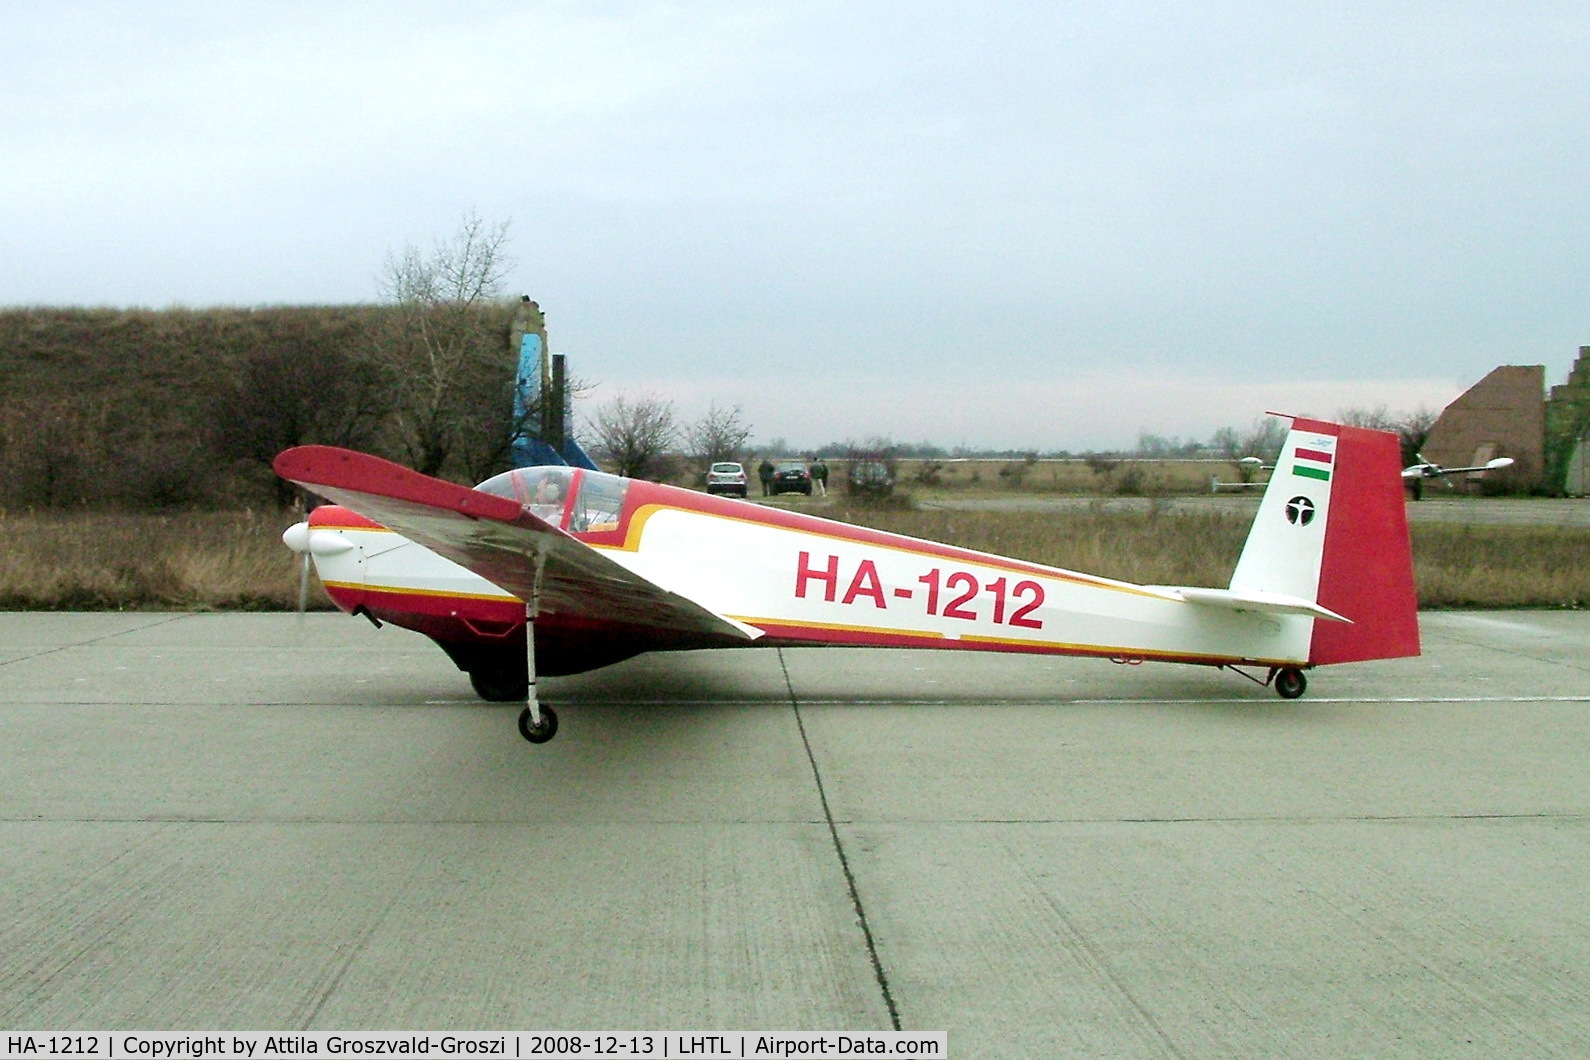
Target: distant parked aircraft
x=1418 y=473
x=1252 y=463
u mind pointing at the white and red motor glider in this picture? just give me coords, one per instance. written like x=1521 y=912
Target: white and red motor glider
x=601 y=568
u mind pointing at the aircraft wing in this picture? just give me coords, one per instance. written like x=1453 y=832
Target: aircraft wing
x=500 y=540
x=1431 y=471
x=1428 y=470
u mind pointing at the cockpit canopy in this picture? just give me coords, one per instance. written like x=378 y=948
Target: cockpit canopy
x=571 y=499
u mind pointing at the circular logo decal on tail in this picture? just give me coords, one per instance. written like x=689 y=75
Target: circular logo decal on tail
x=1300 y=510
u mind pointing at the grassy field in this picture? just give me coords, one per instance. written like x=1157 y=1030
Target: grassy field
x=125 y=561
x=1072 y=476
x=236 y=561
x=1455 y=564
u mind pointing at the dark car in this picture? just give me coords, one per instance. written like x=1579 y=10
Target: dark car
x=791 y=476
x=870 y=476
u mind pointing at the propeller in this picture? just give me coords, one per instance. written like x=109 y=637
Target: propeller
x=1437 y=470
x=309 y=542
x=303 y=588
x=296 y=538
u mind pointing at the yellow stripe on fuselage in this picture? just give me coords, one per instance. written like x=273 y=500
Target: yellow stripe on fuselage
x=409 y=590
x=940 y=639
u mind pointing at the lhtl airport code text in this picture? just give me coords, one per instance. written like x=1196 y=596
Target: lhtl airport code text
x=520 y=1045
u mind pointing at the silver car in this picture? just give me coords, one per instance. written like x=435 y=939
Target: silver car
x=727 y=477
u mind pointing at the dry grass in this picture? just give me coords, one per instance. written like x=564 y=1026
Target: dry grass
x=236 y=561
x=1455 y=565
x=1501 y=566
x=117 y=561
x=1151 y=548
x=1076 y=476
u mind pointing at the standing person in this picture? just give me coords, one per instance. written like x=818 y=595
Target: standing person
x=764 y=471
x=820 y=476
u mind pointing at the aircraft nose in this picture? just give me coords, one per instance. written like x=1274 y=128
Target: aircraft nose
x=296 y=537
x=301 y=538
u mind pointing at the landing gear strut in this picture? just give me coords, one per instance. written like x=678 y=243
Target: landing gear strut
x=1288 y=681
x=537 y=724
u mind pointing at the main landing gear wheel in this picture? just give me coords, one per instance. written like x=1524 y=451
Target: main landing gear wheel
x=498 y=684
x=1290 y=682
x=538 y=733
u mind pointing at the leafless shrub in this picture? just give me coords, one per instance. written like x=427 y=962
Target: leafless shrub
x=303 y=389
x=1411 y=428
x=720 y=434
x=1262 y=439
x=632 y=435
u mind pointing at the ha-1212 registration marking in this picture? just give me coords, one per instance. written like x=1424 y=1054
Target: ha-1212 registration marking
x=958 y=594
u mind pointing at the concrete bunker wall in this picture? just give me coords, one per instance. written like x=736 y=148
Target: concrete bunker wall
x=1503 y=414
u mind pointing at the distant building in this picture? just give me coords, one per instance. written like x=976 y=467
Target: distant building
x=1503 y=414
x=1568 y=431
x=1508 y=414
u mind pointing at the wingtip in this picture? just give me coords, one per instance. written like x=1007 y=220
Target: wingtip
x=305 y=461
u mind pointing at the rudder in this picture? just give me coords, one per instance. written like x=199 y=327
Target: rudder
x=1367 y=570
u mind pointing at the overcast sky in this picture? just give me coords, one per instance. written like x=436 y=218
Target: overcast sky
x=1048 y=225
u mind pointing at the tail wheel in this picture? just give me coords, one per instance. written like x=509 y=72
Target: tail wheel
x=1290 y=682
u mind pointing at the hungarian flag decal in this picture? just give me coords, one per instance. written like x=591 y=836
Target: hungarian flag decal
x=1312 y=463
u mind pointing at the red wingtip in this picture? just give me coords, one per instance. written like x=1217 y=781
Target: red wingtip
x=344 y=471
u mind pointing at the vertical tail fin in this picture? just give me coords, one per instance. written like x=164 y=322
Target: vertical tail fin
x=1332 y=528
x=543 y=410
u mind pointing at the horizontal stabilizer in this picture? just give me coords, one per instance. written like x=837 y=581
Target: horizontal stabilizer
x=1253 y=600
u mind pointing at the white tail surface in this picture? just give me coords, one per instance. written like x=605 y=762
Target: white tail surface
x=1332 y=530
x=1285 y=550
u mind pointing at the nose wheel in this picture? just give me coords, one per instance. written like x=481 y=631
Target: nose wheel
x=537 y=723
x=538 y=730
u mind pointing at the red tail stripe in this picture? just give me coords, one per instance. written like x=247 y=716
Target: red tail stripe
x=1366 y=571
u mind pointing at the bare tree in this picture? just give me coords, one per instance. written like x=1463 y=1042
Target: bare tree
x=446 y=354
x=1375 y=418
x=1263 y=439
x=308 y=388
x=1411 y=428
x=634 y=434
x=721 y=434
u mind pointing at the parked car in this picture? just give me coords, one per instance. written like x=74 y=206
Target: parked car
x=791 y=476
x=869 y=476
x=727 y=477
